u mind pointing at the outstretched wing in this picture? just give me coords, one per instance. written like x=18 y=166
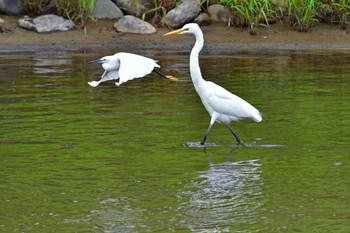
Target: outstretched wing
x=109 y=75
x=134 y=66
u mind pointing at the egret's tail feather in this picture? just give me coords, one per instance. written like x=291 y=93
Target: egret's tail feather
x=257 y=117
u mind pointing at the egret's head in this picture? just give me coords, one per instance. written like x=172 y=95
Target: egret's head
x=103 y=60
x=190 y=28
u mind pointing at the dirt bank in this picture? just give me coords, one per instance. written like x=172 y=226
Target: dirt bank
x=219 y=38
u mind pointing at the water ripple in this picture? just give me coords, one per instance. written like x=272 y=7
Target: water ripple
x=227 y=195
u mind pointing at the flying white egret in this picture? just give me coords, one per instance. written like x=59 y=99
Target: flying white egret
x=221 y=105
x=125 y=67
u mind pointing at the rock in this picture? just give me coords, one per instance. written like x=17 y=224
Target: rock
x=184 y=13
x=12 y=7
x=4 y=29
x=106 y=9
x=134 y=7
x=218 y=13
x=26 y=22
x=46 y=24
x=131 y=24
x=202 y=19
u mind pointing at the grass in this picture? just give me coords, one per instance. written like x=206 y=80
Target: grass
x=341 y=8
x=301 y=14
x=159 y=10
x=75 y=10
x=254 y=12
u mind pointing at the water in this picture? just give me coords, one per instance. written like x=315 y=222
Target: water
x=126 y=159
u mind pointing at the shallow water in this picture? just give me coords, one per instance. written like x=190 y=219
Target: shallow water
x=127 y=159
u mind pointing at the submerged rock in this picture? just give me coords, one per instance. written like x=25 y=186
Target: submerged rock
x=46 y=24
x=131 y=24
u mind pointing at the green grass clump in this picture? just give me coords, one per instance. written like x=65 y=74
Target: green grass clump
x=75 y=10
x=159 y=9
x=341 y=9
x=254 y=12
x=302 y=14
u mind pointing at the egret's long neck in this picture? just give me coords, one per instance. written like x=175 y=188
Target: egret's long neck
x=194 y=64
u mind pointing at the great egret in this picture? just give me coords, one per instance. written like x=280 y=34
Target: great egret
x=125 y=67
x=221 y=105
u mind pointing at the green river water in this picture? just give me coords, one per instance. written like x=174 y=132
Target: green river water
x=126 y=159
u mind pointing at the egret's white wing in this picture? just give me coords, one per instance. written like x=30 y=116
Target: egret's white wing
x=107 y=75
x=110 y=75
x=134 y=66
x=226 y=103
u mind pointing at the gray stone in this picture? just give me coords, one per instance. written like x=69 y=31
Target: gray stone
x=219 y=13
x=105 y=9
x=184 y=13
x=131 y=24
x=2 y=21
x=135 y=7
x=46 y=23
x=202 y=19
x=26 y=22
x=12 y=7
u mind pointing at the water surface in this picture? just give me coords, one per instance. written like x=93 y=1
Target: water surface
x=125 y=159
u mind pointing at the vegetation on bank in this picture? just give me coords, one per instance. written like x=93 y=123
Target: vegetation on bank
x=301 y=15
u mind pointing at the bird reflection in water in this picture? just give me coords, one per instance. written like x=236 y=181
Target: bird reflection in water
x=227 y=196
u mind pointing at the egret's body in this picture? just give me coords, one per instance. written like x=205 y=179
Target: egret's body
x=222 y=105
x=125 y=67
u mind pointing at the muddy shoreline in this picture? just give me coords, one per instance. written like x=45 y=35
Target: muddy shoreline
x=218 y=39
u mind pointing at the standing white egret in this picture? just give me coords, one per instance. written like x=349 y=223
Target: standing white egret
x=222 y=105
x=125 y=67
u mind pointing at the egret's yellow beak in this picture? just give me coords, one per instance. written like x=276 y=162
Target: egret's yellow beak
x=175 y=32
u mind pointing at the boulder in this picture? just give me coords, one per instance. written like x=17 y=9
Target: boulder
x=219 y=13
x=135 y=7
x=105 y=9
x=131 y=24
x=202 y=19
x=46 y=24
x=11 y=7
x=184 y=13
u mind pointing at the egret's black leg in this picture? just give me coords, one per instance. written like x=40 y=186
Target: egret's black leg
x=206 y=134
x=234 y=134
x=161 y=74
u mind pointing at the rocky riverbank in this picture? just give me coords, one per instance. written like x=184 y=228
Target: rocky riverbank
x=219 y=38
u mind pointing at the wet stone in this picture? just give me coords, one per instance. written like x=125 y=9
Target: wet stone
x=46 y=23
x=131 y=24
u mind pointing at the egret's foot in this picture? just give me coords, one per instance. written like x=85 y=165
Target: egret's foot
x=172 y=78
x=94 y=83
